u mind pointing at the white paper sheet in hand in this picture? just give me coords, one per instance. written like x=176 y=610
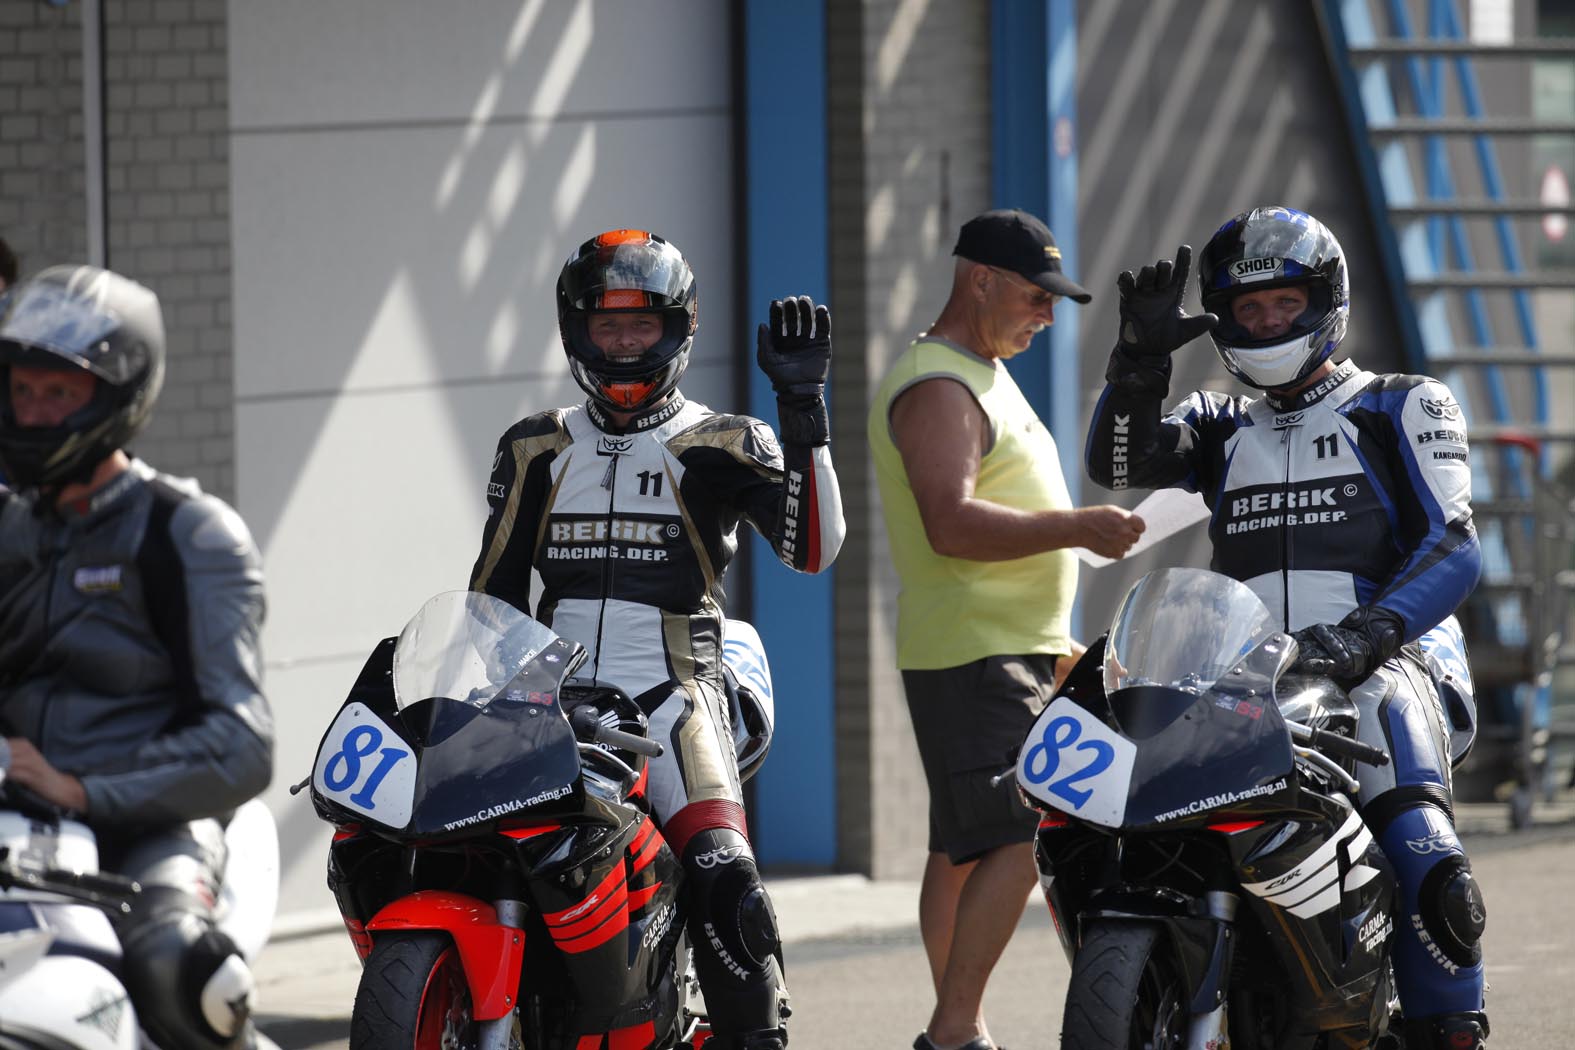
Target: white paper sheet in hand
x=1165 y=512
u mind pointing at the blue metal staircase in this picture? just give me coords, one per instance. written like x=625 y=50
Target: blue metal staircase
x=1414 y=104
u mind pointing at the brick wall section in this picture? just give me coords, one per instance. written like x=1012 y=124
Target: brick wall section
x=167 y=117
x=167 y=125
x=909 y=123
x=41 y=206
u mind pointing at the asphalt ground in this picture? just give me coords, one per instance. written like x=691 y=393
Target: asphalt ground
x=307 y=975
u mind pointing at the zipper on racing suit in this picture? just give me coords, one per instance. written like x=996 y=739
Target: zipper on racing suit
x=1285 y=530
x=611 y=481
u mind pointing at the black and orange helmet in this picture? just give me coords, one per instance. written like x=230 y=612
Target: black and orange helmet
x=627 y=271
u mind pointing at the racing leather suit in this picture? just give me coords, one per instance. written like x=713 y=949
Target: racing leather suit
x=1354 y=492
x=631 y=529
x=166 y=743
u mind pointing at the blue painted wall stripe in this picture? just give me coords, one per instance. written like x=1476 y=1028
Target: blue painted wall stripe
x=787 y=253
x=1034 y=98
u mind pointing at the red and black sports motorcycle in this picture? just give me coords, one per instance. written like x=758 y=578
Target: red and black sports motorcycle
x=493 y=855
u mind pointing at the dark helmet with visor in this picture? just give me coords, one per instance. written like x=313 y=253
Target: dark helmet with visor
x=88 y=319
x=1274 y=247
x=627 y=271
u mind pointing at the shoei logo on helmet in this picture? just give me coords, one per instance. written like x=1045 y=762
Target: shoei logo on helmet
x=612 y=237
x=1255 y=269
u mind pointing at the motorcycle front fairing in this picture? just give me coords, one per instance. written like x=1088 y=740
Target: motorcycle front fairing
x=485 y=765
x=454 y=727
x=1150 y=755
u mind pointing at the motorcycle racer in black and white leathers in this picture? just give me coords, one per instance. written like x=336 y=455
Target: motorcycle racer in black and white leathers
x=628 y=508
x=1343 y=499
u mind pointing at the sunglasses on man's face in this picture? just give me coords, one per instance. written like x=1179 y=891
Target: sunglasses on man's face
x=1038 y=298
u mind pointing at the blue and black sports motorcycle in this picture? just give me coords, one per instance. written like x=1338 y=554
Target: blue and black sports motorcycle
x=1210 y=878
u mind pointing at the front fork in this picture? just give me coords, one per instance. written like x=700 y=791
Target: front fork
x=497 y=1033
x=1207 y=1028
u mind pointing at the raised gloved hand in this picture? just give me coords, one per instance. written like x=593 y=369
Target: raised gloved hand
x=1352 y=649
x=794 y=351
x=1153 y=323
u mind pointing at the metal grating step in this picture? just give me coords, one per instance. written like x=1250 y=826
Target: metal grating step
x=1494 y=279
x=1467 y=126
x=1483 y=208
x=1494 y=431
x=1517 y=356
x=1543 y=47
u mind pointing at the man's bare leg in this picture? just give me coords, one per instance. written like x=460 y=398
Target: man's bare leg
x=984 y=922
x=938 y=895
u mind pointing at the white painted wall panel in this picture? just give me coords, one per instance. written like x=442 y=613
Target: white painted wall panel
x=308 y=62
x=406 y=180
x=371 y=259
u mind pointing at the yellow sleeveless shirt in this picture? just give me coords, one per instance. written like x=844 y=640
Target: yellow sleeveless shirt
x=952 y=611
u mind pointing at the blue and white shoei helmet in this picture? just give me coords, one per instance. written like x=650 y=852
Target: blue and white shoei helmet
x=1275 y=247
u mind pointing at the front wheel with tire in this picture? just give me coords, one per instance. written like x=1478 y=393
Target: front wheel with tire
x=413 y=996
x=1125 y=993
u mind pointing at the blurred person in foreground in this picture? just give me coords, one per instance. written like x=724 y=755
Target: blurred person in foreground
x=130 y=608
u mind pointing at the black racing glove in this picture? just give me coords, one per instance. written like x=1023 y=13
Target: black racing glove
x=1153 y=325
x=794 y=351
x=1353 y=649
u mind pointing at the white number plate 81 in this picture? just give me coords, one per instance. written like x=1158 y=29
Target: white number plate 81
x=364 y=765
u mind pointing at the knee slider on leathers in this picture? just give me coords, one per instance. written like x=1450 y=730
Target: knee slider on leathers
x=1453 y=912
x=188 y=981
x=728 y=902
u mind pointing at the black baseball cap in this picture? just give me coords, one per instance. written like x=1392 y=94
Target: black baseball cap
x=1015 y=240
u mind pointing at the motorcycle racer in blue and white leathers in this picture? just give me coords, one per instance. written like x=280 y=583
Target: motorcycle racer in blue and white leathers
x=1343 y=499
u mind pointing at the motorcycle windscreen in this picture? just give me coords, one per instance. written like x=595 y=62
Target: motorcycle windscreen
x=1185 y=628
x=455 y=720
x=476 y=683
x=482 y=763
x=1201 y=754
x=1177 y=634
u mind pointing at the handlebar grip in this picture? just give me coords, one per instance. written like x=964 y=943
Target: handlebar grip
x=640 y=745
x=1354 y=749
x=586 y=721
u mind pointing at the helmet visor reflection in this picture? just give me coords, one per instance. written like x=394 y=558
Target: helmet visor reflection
x=48 y=317
x=627 y=277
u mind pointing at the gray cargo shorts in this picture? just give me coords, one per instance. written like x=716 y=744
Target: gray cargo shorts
x=969 y=722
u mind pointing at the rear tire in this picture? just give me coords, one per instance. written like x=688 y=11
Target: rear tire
x=1125 y=993
x=412 y=996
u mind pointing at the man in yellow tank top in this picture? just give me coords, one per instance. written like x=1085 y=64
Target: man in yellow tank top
x=981 y=531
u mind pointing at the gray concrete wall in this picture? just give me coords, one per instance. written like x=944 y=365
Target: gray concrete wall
x=910 y=160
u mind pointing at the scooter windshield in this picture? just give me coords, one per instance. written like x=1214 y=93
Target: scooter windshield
x=1183 y=628
x=466 y=646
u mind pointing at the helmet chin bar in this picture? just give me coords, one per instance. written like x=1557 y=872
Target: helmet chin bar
x=1274 y=367
x=629 y=396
